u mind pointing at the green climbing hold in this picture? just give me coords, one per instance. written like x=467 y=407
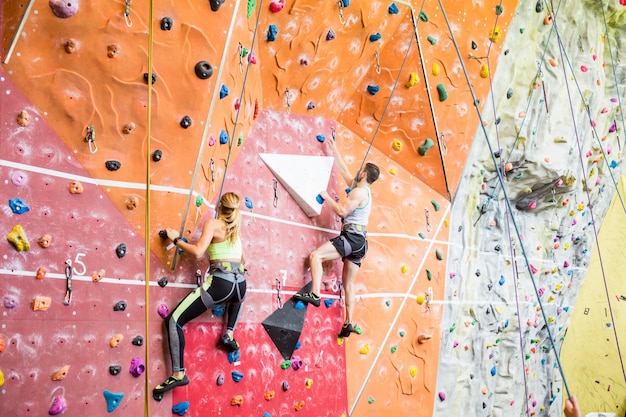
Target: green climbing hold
x=285 y=364
x=240 y=140
x=423 y=17
x=429 y=275
x=370 y=400
x=422 y=235
x=443 y=94
x=497 y=340
x=499 y=9
x=388 y=303
x=401 y=333
x=244 y=50
x=251 y=6
x=452 y=327
x=394 y=348
x=528 y=356
x=199 y=200
x=439 y=254
x=428 y=143
x=435 y=205
x=432 y=39
x=358 y=330
x=521 y=30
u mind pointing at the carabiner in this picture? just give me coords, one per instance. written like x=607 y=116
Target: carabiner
x=129 y=22
x=68 y=279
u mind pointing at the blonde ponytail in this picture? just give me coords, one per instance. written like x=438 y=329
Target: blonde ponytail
x=229 y=212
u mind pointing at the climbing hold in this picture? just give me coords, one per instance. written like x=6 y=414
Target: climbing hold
x=181 y=408
x=136 y=367
x=439 y=254
x=97 y=276
x=9 y=301
x=429 y=275
x=120 y=250
x=365 y=349
x=132 y=202
x=223 y=137
x=441 y=90
x=64 y=9
x=393 y=9
x=321 y=138
x=474 y=45
x=128 y=127
x=203 y=70
x=328 y=302
x=218 y=309
x=308 y=383
x=272 y=32
x=18 y=178
x=163 y=282
x=375 y=37
x=2 y=344
x=442 y=395
x=234 y=356
x=539 y=6
x=493 y=371
x=237 y=400
x=547 y=20
x=413 y=79
x=495 y=34
x=115 y=369
x=269 y=395
x=330 y=35
x=17 y=237
x=112 y=50
x=1 y=378
x=59 y=405
x=18 y=206
x=237 y=376
x=423 y=17
x=413 y=371
x=277 y=5
x=509 y=93
x=216 y=4
x=499 y=9
x=23 y=118
x=41 y=273
x=484 y=71
x=116 y=340
x=397 y=145
x=145 y=77
x=167 y=23
x=435 y=204
x=220 y=380
x=431 y=39
x=436 y=69
x=61 y=373
x=300 y=404
x=113 y=399
x=113 y=165
x=296 y=363
x=285 y=386
x=345 y=3
x=185 y=122
x=320 y=200
x=40 y=303
x=428 y=143
x=137 y=341
x=286 y=364
x=120 y=306
x=224 y=91
x=373 y=89
x=310 y=105
x=163 y=311
x=76 y=187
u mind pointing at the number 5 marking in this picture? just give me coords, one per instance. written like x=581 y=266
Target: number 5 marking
x=77 y=261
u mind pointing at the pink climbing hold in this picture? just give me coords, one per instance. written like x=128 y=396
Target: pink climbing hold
x=442 y=395
x=163 y=311
x=277 y=5
x=532 y=205
x=604 y=110
x=252 y=58
x=18 y=178
x=533 y=269
x=64 y=8
x=565 y=264
x=622 y=2
x=584 y=68
x=541 y=291
x=58 y=406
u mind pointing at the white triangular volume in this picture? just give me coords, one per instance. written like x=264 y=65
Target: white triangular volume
x=303 y=176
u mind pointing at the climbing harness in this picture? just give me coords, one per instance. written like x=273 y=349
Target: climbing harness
x=279 y=298
x=377 y=56
x=275 y=192
x=68 y=282
x=90 y=138
x=129 y=22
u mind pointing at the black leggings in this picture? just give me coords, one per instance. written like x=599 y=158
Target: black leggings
x=229 y=288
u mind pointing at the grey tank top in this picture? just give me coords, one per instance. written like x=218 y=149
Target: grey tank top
x=360 y=215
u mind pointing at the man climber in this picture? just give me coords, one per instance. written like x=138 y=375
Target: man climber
x=351 y=244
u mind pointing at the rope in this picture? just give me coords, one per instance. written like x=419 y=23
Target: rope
x=147 y=214
x=506 y=198
x=243 y=87
x=590 y=206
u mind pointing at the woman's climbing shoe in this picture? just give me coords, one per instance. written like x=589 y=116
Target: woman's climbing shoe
x=230 y=343
x=170 y=383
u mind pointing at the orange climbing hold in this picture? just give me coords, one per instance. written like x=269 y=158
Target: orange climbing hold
x=61 y=373
x=2 y=344
x=40 y=303
x=299 y=405
x=553 y=62
x=547 y=20
x=237 y=400
x=269 y=395
x=76 y=187
x=44 y=241
x=116 y=340
x=41 y=273
x=98 y=275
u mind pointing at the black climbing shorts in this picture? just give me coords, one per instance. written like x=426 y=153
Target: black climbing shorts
x=351 y=246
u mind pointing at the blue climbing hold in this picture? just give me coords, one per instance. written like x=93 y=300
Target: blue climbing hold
x=375 y=37
x=348 y=189
x=613 y=164
x=328 y=302
x=181 y=408
x=18 y=206
x=248 y=202
x=319 y=199
x=218 y=310
x=272 y=32
x=493 y=371
x=501 y=282
x=543 y=361
x=234 y=356
x=506 y=323
x=298 y=344
x=266 y=414
x=345 y=3
x=330 y=35
x=393 y=9
x=113 y=399
x=373 y=89
x=224 y=91
x=321 y=138
x=223 y=137
x=299 y=305
x=566 y=309
x=237 y=376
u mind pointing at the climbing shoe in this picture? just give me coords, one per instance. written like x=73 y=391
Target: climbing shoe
x=346 y=329
x=170 y=383
x=308 y=297
x=230 y=343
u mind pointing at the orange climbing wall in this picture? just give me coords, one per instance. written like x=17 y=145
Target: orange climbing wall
x=66 y=92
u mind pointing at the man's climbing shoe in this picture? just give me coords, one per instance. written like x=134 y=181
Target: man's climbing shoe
x=170 y=383
x=230 y=343
x=346 y=329
x=308 y=297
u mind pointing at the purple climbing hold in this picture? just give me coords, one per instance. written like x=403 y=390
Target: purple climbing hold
x=296 y=363
x=163 y=311
x=220 y=380
x=442 y=395
x=330 y=35
x=59 y=405
x=64 y=8
x=613 y=128
x=285 y=386
x=136 y=367
x=181 y=408
x=310 y=105
x=9 y=301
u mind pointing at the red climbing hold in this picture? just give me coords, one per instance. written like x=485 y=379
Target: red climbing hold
x=277 y=5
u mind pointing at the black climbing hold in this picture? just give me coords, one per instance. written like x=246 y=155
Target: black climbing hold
x=497 y=153
x=156 y=157
x=157 y=396
x=163 y=234
x=489 y=286
x=539 y=6
x=163 y=282
x=115 y=369
x=120 y=306
x=137 y=341
x=167 y=23
x=474 y=45
x=145 y=77
x=203 y=70
x=506 y=52
x=185 y=122
x=498 y=120
x=284 y=326
x=509 y=93
x=497 y=248
x=216 y=4
x=113 y=165
x=285 y=386
x=477 y=272
x=120 y=251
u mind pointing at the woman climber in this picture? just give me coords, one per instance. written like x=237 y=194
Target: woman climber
x=224 y=283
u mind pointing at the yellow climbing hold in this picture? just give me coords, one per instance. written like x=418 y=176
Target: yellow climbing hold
x=1 y=378
x=446 y=223
x=393 y=171
x=309 y=383
x=580 y=207
x=413 y=371
x=397 y=145
x=499 y=310
x=340 y=341
x=420 y=299
x=413 y=79
x=550 y=299
x=436 y=69
x=17 y=237
x=404 y=268
x=558 y=287
x=495 y=34
x=484 y=71
x=365 y=349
